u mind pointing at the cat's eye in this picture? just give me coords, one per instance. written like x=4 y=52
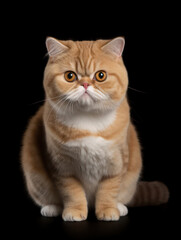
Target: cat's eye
x=100 y=76
x=70 y=76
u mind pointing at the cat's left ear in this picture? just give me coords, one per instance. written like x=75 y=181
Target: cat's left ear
x=115 y=46
x=55 y=47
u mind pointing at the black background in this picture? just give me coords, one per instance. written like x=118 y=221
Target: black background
x=151 y=33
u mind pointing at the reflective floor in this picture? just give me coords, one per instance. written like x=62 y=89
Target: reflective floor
x=140 y=222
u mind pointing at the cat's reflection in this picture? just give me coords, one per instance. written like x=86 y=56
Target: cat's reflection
x=95 y=229
x=89 y=229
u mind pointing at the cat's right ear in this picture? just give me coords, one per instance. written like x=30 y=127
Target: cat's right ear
x=54 y=47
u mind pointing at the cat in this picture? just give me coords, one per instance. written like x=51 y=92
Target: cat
x=81 y=150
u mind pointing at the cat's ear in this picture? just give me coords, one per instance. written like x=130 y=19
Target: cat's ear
x=115 y=46
x=54 y=47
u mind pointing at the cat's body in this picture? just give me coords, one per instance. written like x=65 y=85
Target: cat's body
x=81 y=150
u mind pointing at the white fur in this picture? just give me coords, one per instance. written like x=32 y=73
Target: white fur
x=81 y=118
x=92 y=157
x=88 y=159
x=86 y=97
x=50 y=211
x=122 y=209
x=92 y=122
x=92 y=154
x=96 y=94
x=75 y=94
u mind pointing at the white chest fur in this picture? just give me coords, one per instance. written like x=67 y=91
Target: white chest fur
x=92 y=155
x=93 y=122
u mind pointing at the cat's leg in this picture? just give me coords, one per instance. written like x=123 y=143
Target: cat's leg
x=74 y=200
x=115 y=192
x=127 y=190
x=106 y=199
x=43 y=192
x=39 y=183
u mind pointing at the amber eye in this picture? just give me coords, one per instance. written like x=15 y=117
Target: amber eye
x=70 y=76
x=100 y=76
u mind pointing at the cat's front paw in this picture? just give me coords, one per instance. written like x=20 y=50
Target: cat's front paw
x=51 y=211
x=73 y=214
x=108 y=214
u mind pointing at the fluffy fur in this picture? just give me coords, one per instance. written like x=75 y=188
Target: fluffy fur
x=81 y=150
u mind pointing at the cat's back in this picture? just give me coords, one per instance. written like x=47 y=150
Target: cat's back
x=33 y=137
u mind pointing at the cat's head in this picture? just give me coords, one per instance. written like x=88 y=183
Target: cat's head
x=85 y=75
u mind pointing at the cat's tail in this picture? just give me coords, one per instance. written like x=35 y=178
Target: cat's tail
x=150 y=194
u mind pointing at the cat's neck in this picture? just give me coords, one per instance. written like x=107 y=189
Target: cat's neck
x=94 y=121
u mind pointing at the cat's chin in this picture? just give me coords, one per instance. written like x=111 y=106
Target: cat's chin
x=85 y=100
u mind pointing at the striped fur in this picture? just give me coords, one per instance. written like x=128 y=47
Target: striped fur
x=150 y=194
x=81 y=150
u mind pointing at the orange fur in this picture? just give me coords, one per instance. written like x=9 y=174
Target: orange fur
x=70 y=161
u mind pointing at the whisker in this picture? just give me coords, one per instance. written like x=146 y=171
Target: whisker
x=69 y=90
x=52 y=108
x=75 y=94
x=45 y=100
x=61 y=101
x=38 y=102
x=67 y=105
x=72 y=107
x=101 y=90
x=137 y=90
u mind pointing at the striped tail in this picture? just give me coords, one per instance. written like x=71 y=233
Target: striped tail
x=150 y=194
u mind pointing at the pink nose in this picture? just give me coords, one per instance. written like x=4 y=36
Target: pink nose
x=85 y=85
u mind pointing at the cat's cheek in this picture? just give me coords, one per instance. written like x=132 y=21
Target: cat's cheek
x=61 y=84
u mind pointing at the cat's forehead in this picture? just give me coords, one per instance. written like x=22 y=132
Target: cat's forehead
x=86 y=57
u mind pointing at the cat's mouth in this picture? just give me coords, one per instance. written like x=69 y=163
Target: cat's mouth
x=86 y=94
x=86 y=98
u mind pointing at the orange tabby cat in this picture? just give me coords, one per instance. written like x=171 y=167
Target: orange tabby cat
x=81 y=149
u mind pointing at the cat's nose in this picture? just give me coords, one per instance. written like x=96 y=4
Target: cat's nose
x=85 y=85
